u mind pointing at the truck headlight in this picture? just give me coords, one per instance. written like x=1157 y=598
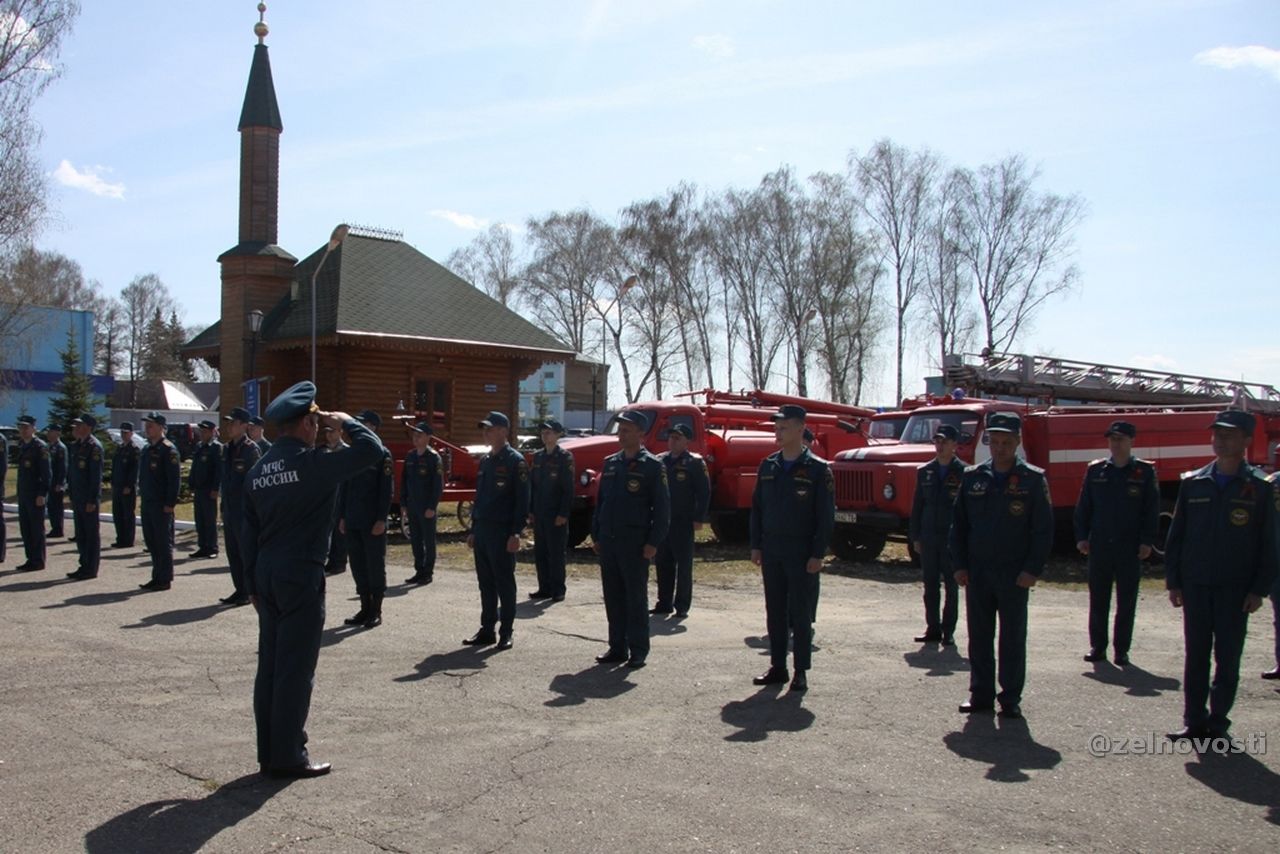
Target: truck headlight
x=888 y=492
x=585 y=478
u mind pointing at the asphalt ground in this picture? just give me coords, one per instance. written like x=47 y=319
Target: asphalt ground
x=127 y=726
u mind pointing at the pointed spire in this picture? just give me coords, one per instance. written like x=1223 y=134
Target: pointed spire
x=260 y=107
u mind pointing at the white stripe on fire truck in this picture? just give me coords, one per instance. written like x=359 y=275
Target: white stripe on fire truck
x=1168 y=452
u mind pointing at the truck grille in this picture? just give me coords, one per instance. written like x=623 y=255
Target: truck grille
x=853 y=488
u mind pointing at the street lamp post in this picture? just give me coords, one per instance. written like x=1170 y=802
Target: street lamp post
x=254 y=320
x=338 y=235
x=627 y=284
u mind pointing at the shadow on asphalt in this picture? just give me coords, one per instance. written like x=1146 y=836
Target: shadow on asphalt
x=771 y=709
x=601 y=682
x=663 y=626
x=1005 y=745
x=178 y=618
x=527 y=609
x=937 y=661
x=183 y=825
x=1240 y=777
x=44 y=582
x=466 y=658
x=97 y=598
x=210 y=570
x=1136 y=681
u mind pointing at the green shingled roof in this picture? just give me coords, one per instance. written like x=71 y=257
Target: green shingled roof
x=376 y=286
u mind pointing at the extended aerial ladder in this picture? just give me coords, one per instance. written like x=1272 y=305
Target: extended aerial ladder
x=1054 y=379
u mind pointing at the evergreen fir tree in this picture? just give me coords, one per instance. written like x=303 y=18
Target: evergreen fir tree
x=75 y=394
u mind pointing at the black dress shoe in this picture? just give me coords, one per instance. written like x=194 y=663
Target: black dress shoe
x=1095 y=655
x=372 y=621
x=773 y=676
x=299 y=772
x=1012 y=712
x=30 y=567
x=235 y=600
x=198 y=554
x=658 y=609
x=22 y=567
x=154 y=586
x=116 y=546
x=929 y=637
x=418 y=579
x=504 y=642
x=559 y=597
x=799 y=682
x=971 y=708
x=80 y=576
x=948 y=640
x=1190 y=732
x=539 y=594
x=480 y=638
x=635 y=663
x=1122 y=659
x=1274 y=673
x=680 y=615
x=612 y=657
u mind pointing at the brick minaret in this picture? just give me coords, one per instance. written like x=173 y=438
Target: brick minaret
x=256 y=273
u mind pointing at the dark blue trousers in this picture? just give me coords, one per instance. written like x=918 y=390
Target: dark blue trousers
x=206 y=518
x=988 y=600
x=675 y=567
x=157 y=533
x=31 y=527
x=624 y=575
x=88 y=539
x=1275 y=609
x=368 y=555
x=940 y=616
x=123 y=508
x=496 y=576
x=1121 y=568
x=550 y=542
x=55 y=507
x=290 y=626
x=790 y=602
x=1213 y=624
x=422 y=537
x=231 y=520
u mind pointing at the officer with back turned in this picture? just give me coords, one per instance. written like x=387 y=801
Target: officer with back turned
x=421 y=485
x=690 y=489
x=937 y=484
x=1001 y=535
x=1220 y=559
x=551 y=501
x=497 y=520
x=205 y=478
x=365 y=502
x=1117 y=519
x=331 y=440
x=85 y=485
x=238 y=456
x=159 y=478
x=792 y=517
x=56 y=506
x=288 y=515
x=33 y=490
x=124 y=488
x=633 y=513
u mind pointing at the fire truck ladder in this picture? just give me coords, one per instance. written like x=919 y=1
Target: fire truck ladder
x=1055 y=379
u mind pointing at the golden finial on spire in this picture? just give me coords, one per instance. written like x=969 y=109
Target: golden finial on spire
x=260 y=29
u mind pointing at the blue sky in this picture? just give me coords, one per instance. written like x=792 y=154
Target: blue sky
x=435 y=118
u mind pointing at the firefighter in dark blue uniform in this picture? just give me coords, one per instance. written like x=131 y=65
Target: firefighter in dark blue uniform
x=497 y=521
x=33 y=490
x=255 y=430
x=124 y=488
x=85 y=483
x=937 y=485
x=205 y=479
x=633 y=513
x=551 y=502
x=690 y=489
x=792 y=517
x=1117 y=520
x=159 y=479
x=366 y=501
x=56 y=506
x=1220 y=561
x=336 y=564
x=421 y=485
x=288 y=515
x=238 y=456
x=1001 y=535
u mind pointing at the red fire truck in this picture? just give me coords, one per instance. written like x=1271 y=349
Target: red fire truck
x=875 y=485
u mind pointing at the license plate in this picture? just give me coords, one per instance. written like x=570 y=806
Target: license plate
x=847 y=516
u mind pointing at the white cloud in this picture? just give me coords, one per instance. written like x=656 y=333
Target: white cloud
x=88 y=179
x=461 y=220
x=717 y=46
x=1250 y=56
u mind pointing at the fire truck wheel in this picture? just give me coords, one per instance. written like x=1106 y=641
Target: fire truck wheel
x=857 y=545
x=464 y=515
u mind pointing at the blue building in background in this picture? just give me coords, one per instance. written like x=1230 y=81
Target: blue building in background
x=31 y=364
